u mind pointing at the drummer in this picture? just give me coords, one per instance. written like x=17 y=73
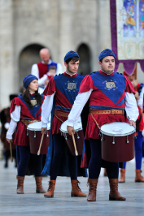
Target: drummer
x=109 y=94
x=26 y=109
x=63 y=90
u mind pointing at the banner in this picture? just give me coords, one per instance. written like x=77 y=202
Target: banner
x=130 y=29
x=127 y=32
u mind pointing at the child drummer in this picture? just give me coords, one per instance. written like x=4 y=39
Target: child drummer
x=26 y=109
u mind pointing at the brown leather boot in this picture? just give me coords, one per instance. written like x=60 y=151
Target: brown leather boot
x=105 y=172
x=122 y=176
x=92 y=189
x=138 y=177
x=114 y=194
x=76 y=191
x=20 y=184
x=51 y=188
x=39 y=188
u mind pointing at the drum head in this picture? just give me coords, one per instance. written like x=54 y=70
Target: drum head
x=77 y=127
x=117 y=129
x=36 y=126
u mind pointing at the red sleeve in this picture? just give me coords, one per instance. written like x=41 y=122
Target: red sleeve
x=129 y=86
x=138 y=86
x=86 y=84
x=50 y=88
x=15 y=101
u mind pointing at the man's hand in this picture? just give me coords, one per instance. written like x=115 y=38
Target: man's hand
x=43 y=130
x=9 y=140
x=132 y=123
x=70 y=130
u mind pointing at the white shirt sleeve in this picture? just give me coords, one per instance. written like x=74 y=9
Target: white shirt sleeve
x=77 y=107
x=140 y=101
x=15 y=117
x=59 y=69
x=46 y=109
x=35 y=71
x=131 y=106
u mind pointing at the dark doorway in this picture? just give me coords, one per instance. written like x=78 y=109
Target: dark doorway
x=28 y=56
x=85 y=59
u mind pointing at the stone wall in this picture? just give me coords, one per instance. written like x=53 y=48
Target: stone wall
x=60 y=25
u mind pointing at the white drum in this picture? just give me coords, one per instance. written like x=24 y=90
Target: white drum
x=79 y=137
x=34 y=132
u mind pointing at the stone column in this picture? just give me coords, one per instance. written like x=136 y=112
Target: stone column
x=6 y=51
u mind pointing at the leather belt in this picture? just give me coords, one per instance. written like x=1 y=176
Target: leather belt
x=27 y=122
x=60 y=113
x=112 y=111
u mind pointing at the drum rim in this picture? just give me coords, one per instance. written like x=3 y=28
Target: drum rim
x=117 y=135
x=37 y=129
x=79 y=129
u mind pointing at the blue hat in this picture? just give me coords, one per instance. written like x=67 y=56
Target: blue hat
x=106 y=52
x=70 y=54
x=28 y=79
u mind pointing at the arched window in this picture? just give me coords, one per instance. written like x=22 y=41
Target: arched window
x=28 y=56
x=85 y=58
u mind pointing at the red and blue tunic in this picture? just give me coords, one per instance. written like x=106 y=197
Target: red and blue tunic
x=26 y=113
x=66 y=88
x=108 y=93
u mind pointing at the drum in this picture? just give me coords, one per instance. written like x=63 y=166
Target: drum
x=79 y=138
x=117 y=142
x=34 y=133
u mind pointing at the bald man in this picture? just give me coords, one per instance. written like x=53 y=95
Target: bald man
x=41 y=69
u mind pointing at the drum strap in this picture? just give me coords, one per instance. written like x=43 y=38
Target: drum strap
x=95 y=120
x=58 y=118
x=58 y=112
x=27 y=122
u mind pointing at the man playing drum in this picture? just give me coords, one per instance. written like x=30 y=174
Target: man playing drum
x=63 y=90
x=109 y=94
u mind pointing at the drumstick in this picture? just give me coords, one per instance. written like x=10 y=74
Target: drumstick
x=76 y=153
x=38 y=153
x=11 y=151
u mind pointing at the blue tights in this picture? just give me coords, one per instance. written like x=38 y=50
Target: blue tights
x=23 y=156
x=59 y=146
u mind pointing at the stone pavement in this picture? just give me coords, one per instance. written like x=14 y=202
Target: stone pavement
x=32 y=204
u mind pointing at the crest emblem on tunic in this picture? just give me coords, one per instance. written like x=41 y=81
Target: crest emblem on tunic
x=71 y=86
x=110 y=85
x=33 y=102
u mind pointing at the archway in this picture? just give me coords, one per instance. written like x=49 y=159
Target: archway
x=28 y=56
x=85 y=59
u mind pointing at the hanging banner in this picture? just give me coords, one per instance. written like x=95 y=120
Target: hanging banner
x=130 y=29
x=127 y=33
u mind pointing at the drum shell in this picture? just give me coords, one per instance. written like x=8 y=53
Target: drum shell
x=34 y=142
x=121 y=151
x=79 y=142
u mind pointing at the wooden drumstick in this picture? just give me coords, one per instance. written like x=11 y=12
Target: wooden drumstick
x=76 y=152
x=38 y=153
x=11 y=151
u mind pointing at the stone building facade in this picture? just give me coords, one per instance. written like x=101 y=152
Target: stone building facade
x=60 y=25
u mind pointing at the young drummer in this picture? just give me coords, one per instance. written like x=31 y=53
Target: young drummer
x=24 y=110
x=109 y=93
x=63 y=90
